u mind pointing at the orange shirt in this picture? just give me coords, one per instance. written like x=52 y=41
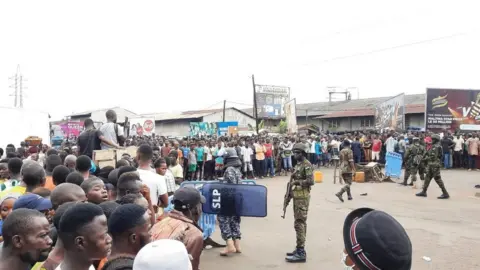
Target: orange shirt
x=101 y=264
x=49 y=183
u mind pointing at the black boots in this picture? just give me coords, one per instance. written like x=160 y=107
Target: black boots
x=298 y=255
x=423 y=193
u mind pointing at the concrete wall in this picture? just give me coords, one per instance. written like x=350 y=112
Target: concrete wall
x=231 y=115
x=175 y=128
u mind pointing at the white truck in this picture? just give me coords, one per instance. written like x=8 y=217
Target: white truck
x=20 y=123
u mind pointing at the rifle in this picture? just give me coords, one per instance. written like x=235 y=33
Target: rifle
x=288 y=195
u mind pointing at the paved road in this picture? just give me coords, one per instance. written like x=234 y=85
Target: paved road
x=447 y=231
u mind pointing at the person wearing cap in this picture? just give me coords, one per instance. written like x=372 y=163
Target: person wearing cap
x=35 y=202
x=374 y=240
x=181 y=223
x=413 y=158
x=163 y=254
x=347 y=168
x=230 y=225
x=433 y=158
x=302 y=178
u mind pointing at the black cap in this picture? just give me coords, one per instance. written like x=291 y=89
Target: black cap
x=188 y=196
x=375 y=240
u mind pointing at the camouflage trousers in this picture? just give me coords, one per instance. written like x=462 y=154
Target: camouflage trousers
x=412 y=171
x=348 y=177
x=433 y=171
x=422 y=171
x=300 y=212
x=229 y=227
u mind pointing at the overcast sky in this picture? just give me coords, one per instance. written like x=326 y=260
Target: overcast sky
x=164 y=56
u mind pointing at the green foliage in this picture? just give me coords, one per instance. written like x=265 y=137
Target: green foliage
x=282 y=127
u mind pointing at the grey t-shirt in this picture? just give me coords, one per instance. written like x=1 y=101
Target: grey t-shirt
x=108 y=131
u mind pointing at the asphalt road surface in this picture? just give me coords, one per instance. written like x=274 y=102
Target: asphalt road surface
x=447 y=231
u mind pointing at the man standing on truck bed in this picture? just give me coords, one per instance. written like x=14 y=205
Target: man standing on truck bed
x=111 y=130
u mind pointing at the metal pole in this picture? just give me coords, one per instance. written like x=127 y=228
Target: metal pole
x=255 y=111
x=224 y=104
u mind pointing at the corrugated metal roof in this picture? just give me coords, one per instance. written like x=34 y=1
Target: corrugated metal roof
x=409 y=108
x=325 y=107
x=104 y=109
x=177 y=116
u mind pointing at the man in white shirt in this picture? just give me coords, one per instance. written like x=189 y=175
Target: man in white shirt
x=111 y=130
x=458 y=151
x=246 y=153
x=156 y=183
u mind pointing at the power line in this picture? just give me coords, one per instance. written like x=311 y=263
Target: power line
x=18 y=86
x=391 y=48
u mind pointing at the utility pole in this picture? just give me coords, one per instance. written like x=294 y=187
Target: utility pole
x=224 y=104
x=255 y=111
x=18 y=86
x=306 y=117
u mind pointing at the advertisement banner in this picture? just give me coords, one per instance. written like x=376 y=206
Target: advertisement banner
x=291 y=116
x=71 y=128
x=390 y=114
x=452 y=109
x=198 y=129
x=270 y=100
x=142 y=126
x=227 y=128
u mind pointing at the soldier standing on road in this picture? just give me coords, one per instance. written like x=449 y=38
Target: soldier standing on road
x=433 y=158
x=413 y=159
x=302 y=183
x=347 y=167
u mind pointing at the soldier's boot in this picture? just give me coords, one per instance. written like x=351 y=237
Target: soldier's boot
x=444 y=195
x=423 y=193
x=411 y=183
x=339 y=196
x=404 y=183
x=349 y=195
x=299 y=257
x=230 y=248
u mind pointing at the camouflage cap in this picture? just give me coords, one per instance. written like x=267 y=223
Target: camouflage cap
x=436 y=136
x=416 y=139
x=300 y=147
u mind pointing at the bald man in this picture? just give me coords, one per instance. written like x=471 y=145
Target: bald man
x=67 y=192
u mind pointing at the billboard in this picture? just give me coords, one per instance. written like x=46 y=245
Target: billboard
x=227 y=128
x=390 y=114
x=291 y=116
x=270 y=100
x=452 y=109
x=71 y=128
x=198 y=129
x=141 y=126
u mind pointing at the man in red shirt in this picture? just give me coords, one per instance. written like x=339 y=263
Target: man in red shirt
x=376 y=148
x=269 y=158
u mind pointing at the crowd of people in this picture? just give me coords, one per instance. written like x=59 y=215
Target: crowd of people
x=59 y=210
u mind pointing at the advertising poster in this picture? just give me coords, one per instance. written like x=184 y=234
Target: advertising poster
x=390 y=114
x=142 y=126
x=71 y=128
x=270 y=100
x=452 y=109
x=291 y=116
x=198 y=129
x=227 y=128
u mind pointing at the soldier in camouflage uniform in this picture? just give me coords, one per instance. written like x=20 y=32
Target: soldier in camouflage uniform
x=413 y=159
x=302 y=183
x=433 y=159
x=347 y=167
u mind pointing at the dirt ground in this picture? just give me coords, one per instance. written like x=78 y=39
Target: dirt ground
x=447 y=231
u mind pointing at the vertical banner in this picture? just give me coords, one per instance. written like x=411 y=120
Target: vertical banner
x=142 y=126
x=290 y=110
x=270 y=100
x=452 y=109
x=390 y=114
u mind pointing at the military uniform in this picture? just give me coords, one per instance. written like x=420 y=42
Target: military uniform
x=346 y=157
x=413 y=161
x=302 y=182
x=433 y=159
